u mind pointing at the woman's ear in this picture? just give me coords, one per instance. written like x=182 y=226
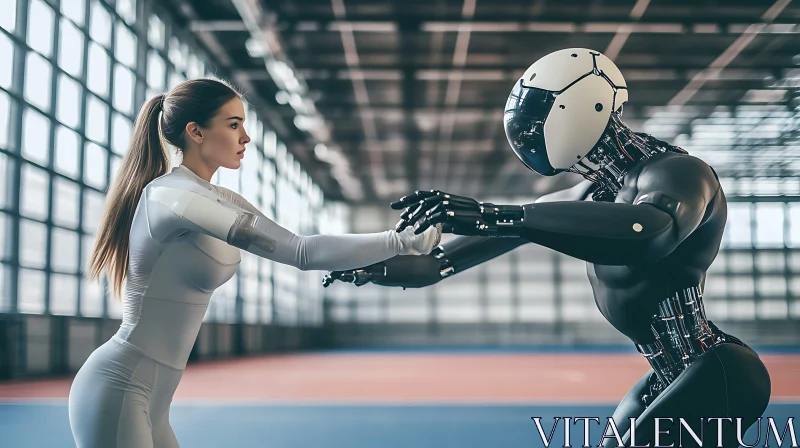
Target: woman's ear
x=194 y=133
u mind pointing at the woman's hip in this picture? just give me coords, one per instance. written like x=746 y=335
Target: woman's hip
x=118 y=370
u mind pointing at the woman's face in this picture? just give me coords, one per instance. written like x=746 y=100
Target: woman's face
x=223 y=141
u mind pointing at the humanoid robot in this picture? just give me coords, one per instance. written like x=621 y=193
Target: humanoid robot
x=648 y=220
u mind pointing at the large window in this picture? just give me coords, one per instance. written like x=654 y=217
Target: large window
x=86 y=66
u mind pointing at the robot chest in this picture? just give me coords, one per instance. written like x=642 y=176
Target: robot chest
x=626 y=295
x=621 y=277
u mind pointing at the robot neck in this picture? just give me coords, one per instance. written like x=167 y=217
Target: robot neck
x=618 y=150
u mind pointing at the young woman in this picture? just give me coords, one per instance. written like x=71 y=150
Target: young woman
x=174 y=238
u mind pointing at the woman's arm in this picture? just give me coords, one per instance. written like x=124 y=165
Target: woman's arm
x=173 y=210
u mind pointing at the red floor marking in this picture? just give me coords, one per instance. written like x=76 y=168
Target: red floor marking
x=417 y=378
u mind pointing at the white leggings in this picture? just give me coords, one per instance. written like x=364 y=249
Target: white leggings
x=120 y=398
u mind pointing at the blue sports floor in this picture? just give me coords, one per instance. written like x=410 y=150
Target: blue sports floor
x=45 y=424
x=388 y=399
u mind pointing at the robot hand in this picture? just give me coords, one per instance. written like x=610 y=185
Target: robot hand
x=457 y=214
x=358 y=277
x=406 y=271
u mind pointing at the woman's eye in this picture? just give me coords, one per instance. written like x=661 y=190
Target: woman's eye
x=235 y=125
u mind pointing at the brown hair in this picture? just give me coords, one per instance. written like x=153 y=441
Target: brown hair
x=166 y=116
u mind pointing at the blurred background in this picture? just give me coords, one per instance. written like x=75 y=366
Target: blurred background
x=350 y=105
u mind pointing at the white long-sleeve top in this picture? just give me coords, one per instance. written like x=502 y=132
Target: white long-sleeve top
x=179 y=255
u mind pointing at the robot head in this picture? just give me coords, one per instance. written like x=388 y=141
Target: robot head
x=560 y=108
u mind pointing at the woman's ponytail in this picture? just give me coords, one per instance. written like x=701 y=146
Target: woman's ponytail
x=145 y=160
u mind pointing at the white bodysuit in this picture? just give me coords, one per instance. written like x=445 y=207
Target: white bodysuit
x=185 y=240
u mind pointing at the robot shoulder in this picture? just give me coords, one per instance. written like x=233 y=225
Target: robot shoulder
x=682 y=186
x=679 y=175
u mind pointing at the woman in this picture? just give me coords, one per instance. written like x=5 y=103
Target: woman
x=175 y=238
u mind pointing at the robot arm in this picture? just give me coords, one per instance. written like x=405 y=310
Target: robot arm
x=670 y=201
x=444 y=261
x=176 y=210
x=601 y=233
x=450 y=258
x=465 y=252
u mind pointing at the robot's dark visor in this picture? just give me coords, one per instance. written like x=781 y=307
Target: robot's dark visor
x=524 y=116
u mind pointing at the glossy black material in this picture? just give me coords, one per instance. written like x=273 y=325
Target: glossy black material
x=649 y=234
x=524 y=116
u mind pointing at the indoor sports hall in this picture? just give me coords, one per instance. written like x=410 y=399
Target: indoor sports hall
x=349 y=106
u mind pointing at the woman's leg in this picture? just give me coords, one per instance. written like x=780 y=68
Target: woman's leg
x=168 y=380
x=109 y=400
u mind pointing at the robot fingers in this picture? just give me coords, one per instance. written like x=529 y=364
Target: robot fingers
x=330 y=277
x=415 y=213
x=358 y=277
x=414 y=198
x=437 y=217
